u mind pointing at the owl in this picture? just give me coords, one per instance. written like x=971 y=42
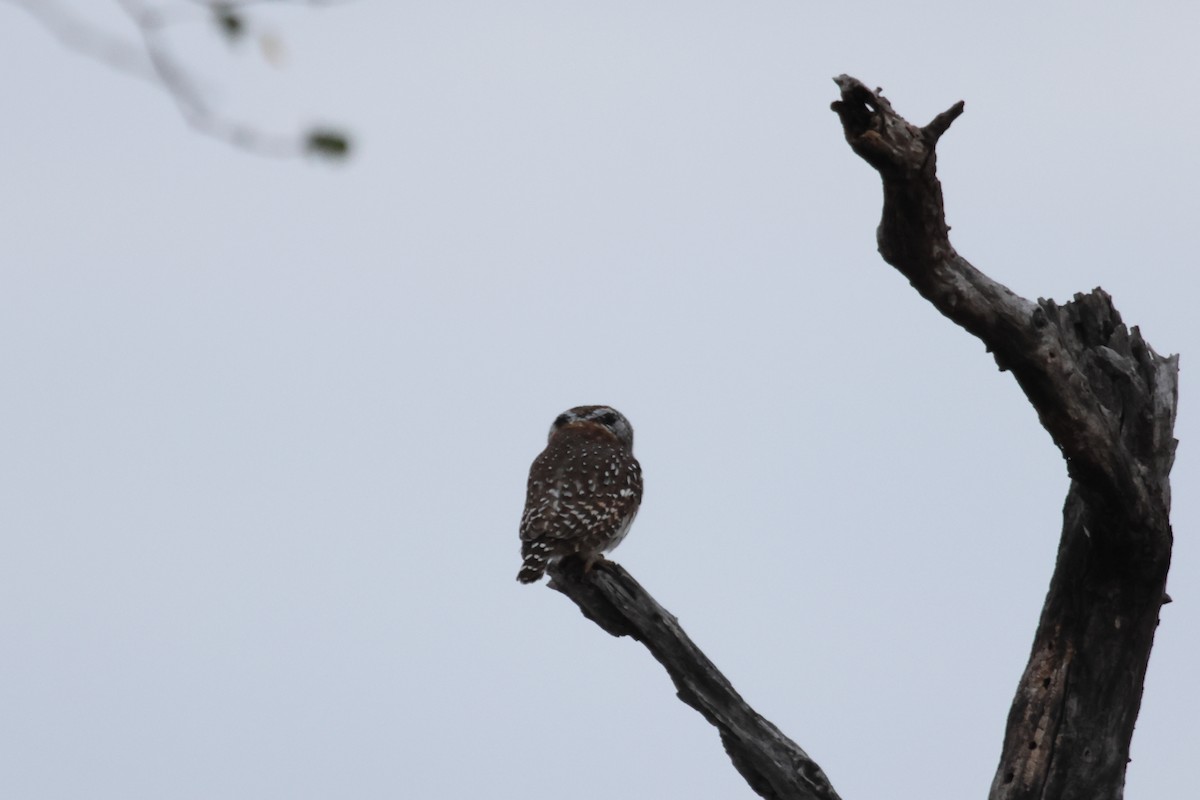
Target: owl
x=584 y=490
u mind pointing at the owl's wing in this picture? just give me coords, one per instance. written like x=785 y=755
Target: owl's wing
x=544 y=508
x=585 y=494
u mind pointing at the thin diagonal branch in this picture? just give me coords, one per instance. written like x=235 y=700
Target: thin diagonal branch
x=773 y=765
x=1108 y=401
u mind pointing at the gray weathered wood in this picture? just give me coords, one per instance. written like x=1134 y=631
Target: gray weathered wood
x=773 y=765
x=1108 y=401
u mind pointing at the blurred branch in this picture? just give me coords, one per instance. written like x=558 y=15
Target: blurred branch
x=773 y=765
x=88 y=40
x=219 y=4
x=150 y=58
x=190 y=102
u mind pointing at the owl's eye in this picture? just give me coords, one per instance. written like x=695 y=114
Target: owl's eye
x=561 y=420
x=608 y=418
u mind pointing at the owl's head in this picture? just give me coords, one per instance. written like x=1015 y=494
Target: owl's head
x=604 y=416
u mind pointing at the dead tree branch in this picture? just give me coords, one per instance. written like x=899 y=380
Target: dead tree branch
x=1108 y=401
x=773 y=765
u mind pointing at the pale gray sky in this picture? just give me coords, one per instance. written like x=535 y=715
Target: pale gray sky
x=265 y=425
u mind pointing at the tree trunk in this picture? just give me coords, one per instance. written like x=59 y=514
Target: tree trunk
x=1108 y=401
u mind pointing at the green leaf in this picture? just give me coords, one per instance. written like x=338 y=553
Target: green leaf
x=328 y=143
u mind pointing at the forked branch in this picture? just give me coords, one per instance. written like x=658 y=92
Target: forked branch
x=1108 y=401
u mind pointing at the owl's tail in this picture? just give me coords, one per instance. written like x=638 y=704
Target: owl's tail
x=536 y=557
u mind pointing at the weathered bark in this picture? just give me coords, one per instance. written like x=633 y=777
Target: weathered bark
x=773 y=765
x=1108 y=401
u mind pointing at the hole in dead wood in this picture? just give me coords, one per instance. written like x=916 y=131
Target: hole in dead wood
x=1045 y=683
x=1009 y=778
x=1033 y=745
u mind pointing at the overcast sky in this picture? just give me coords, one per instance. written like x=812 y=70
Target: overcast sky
x=265 y=424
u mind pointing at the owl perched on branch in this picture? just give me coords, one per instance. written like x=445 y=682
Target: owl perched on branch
x=584 y=490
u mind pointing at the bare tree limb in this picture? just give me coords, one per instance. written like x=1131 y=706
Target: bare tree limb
x=1108 y=401
x=773 y=765
x=151 y=59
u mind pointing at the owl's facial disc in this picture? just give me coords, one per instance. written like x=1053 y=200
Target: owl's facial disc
x=605 y=416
